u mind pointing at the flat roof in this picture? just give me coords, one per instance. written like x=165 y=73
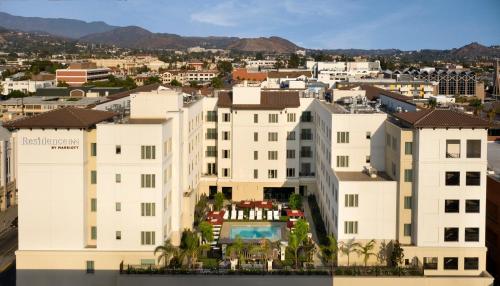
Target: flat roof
x=145 y=120
x=362 y=177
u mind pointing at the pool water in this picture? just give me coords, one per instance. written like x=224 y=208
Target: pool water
x=272 y=233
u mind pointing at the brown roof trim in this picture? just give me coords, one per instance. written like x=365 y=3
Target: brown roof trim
x=373 y=92
x=441 y=118
x=269 y=100
x=68 y=117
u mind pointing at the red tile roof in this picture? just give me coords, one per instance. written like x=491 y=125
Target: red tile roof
x=269 y=100
x=68 y=117
x=441 y=118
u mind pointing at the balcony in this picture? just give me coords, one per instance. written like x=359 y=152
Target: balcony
x=306 y=136
x=306 y=154
x=306 y=174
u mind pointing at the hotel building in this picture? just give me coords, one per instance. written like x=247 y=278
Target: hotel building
x=127 y=183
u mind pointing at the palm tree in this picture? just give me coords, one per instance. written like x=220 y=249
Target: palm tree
x=167 y=251
x=301 y=230
x=366 y=250
x=235 y=250
x=264 y=249
x=206 y=230
x=190 y=247
x=294 y=245
x=347 y=248
x=329 y=251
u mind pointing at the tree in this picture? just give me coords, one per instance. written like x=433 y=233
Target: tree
x=347 y=248
x=175 y=82
x=224 y=67
x=294 y=61
x=193 y=83
x=16 y=94
x=264 y=249
x=432 y=103
x=206 y=230
x=167 y=252
x=62 y=84
x=216 y=82
x=259 y=56
x=301 y=230
x=219 y=201
x=143 y=69
x=476 y=104
x=190 y=247
x=279 y=64
x=151 y=80
x=492 y=115
x=235 y=250
x=329 y=251
x=293 y=246
x=397 y=254
x=295 y=201
x=366 y=251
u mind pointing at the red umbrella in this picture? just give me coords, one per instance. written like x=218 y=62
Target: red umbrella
x=246 y=204
x=264 y=204
x=294 y=213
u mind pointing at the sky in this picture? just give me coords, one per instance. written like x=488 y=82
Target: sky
x=315 y=24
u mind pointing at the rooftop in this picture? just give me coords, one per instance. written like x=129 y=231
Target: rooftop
x=441 y=118
x=68 y=117
x=269 y=100
x=54 y=100
x=362 y=177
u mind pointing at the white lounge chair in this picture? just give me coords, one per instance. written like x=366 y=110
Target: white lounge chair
x=269 y=215
x=252 y=215
x=259 y=215
x=226 y=215
x=233 y=214
x=240 y=215
x=276 y=215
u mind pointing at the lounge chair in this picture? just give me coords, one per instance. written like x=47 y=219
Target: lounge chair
x=259 y=215
x=276 y=215
x=226 y=215
x=240 y=215
x=233 y=214
x=252 y=215
x=269 y=215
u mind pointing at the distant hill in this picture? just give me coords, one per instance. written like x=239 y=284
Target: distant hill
x=139 y=38
x=68 y=28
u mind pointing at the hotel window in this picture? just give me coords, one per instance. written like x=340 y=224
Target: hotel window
x=290 y=154
x=225 y=154
x=211 y=116
x=273 y=118
x=255 y=173
x=118 y=178
x=272 y=174
x=408 y=148
x=226 y=117
x=350 y=227
x=211 y=151
x=452 y=148
x=408 y=175
x=225 y=135
x=471 y=263
x=342 y=137
x=431 y=263
x=306 y=116
x=408 y=202
x=118 y=235
x=255 y=118
x=148 y=180
x=148 y=152
x=93 y=232
x=388 y=140
x=451 y=206
x=343 y=161
x=473 y=148
x=368 y=135
x=148 y=209
x=407 y=229
x=471 y=234
x=147 y=237
x=90 y=266
x=394 y=143
x=306 y=134
x=291 y=117
x=256 y=155
x=472 y=178
x=93 y=205
x=211 y=133
x=255 y=136
x=93 y=149
x=451 y=234
x=450 y=263
x=272 y=136
x=118 y=149
x=472 y=206
x=452 y=178
x=211 y=169
x=290 y=135
x=225 y=172
x=118 y=206
x=290 y=172
x=351 y=200
x=272 y=155
x=93 y=177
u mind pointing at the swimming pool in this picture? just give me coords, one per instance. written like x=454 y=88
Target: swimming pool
x=249 y=232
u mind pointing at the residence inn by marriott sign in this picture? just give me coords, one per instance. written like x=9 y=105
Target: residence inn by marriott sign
x=54 y=143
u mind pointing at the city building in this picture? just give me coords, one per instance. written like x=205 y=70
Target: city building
x=8 y=190
x=24 y=86
x=493 y=209
x=79 y=73
x=409 y=88
x=187 y=76
x=333 y=72
x=240 y=74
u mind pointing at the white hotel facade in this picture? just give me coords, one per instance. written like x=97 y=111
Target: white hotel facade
x=126 y=184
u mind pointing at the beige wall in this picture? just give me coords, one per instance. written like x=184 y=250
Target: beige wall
x=90 y=217
x=485 y=280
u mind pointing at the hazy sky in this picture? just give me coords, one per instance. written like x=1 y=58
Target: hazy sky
x=367 y=24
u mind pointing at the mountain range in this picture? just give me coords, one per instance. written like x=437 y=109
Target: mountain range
x=137 y=37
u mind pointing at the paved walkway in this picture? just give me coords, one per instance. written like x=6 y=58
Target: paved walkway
x=6 y=218
x=307 y=212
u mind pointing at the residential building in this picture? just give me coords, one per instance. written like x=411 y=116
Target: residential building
x=24 y=86
x=79 y=73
